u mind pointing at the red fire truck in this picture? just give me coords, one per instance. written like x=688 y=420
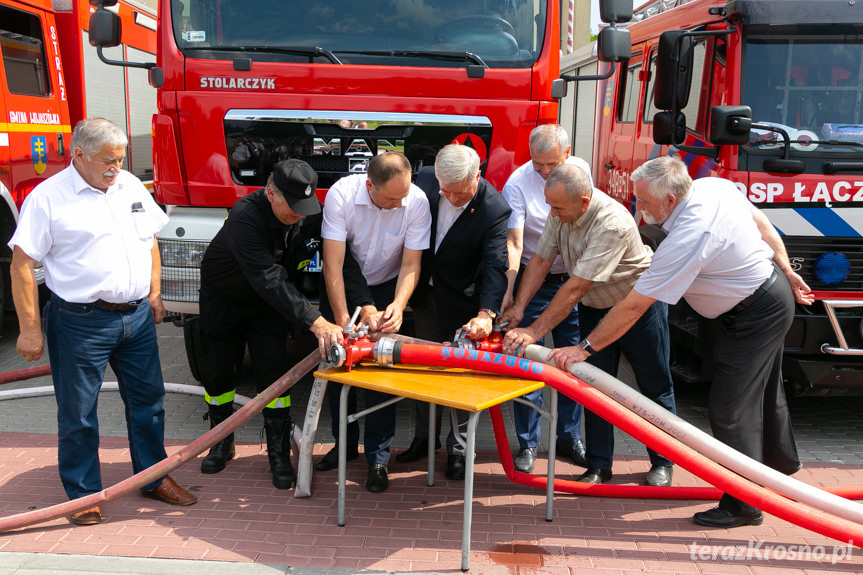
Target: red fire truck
x=334 y=82
x=769 y=94
x=50 y=77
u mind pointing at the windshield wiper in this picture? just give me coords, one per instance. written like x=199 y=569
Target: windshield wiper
x=310 y=51
x=433 y=54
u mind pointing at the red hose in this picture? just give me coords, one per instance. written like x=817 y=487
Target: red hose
x=139 y=480
x=26 y=373
x=729 y=482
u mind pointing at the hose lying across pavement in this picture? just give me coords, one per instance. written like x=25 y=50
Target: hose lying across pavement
x=172 y=462
x=839 y=528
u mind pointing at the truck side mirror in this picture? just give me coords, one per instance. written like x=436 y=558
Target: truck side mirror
x=614 y=44
x=104 y=28
x=674 y=61
x=669 y=130
x=156 y=77
x=618 y=11
x=730 y=125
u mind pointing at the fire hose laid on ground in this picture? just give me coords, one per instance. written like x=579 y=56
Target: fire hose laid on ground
x=191 y=451
x=786 y=498
x=786 y=495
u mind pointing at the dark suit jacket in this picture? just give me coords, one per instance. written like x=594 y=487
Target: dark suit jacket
x=469 y=268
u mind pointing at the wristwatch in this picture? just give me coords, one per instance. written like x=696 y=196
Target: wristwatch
x=585 y=345
x=491 y=314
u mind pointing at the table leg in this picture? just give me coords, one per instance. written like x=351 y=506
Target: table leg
x=343 y=452
x=432 y=441
x=552 y=454
x=468 y=489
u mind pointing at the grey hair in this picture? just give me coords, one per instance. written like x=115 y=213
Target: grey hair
x=271 y=183
x=665 y=175
x=90 y=134
x=455 y=163
x=548 y=137
x=574 y=179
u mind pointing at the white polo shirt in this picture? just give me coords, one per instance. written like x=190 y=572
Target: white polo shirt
x=524 y=191
x=376 y=237
x=713 y=256
x=92 y=244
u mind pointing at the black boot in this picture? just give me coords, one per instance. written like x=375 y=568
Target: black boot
x=223 y=451
x=277 y=423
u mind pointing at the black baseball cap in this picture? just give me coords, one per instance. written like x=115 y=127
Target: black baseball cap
x=297 y=181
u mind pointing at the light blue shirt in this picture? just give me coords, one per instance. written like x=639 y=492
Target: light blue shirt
x=714 y=255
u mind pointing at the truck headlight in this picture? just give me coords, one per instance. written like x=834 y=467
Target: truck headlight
x=832 y=268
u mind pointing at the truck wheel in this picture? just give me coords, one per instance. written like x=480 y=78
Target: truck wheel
x=194 y=345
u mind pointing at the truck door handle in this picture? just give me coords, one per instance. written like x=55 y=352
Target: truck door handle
x=61 y=146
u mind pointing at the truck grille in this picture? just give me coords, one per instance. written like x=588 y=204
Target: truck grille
x=804 y=252
x=181 y=269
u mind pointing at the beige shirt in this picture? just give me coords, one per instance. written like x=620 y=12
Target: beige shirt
x=602 y=246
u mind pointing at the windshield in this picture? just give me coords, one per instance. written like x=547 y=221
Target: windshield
x=808 y=85
x=448 y=33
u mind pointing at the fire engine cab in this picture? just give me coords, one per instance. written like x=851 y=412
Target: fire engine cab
x=50 y=77
x=768 y=94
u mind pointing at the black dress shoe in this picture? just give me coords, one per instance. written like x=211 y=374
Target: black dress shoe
x=331 y=459
x=377 y=479
x=573 y=449
x=659 y=476
x=455 y=466
x=419 y=449
x=595 y=475
x=718 y=517
x=525 y=459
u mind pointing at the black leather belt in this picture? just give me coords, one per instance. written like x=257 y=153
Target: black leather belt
x=556 y=278
x=745 y=303
x=118 y=307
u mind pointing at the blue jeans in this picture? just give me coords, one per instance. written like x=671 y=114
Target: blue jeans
x=81 y=341
x=647 y=347
x=566 y=333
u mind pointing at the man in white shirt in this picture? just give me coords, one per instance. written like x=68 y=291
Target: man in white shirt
x=93 y=228
x=384 y=220
x=525 y=193
x=734 y=269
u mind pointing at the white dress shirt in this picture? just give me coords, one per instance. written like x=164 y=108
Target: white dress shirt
x=92 y=244
x=376 y=237
x=524 y=191
x=713 y=256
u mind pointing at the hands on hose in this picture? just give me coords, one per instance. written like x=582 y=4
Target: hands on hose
x=327 y=334
x=479 y=327
x=564 y=357
x=511 y=316
x=392 y=319
x=516 y=340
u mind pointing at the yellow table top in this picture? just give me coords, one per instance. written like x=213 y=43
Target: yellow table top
x=450 y=387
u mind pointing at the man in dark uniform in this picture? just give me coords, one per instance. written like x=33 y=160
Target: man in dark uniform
x=249 y=296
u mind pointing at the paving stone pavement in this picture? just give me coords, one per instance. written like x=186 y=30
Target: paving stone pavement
x=243 y=525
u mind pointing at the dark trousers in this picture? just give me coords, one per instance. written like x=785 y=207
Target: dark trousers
x=380 y=426
x=747 y=406
x=226 y=329
x=566 y=333
x=647 y=347
x=429 y=326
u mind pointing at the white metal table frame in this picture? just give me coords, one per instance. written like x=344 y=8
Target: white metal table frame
x=470 y=453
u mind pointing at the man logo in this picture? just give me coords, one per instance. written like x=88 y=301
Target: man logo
x=308 y=191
